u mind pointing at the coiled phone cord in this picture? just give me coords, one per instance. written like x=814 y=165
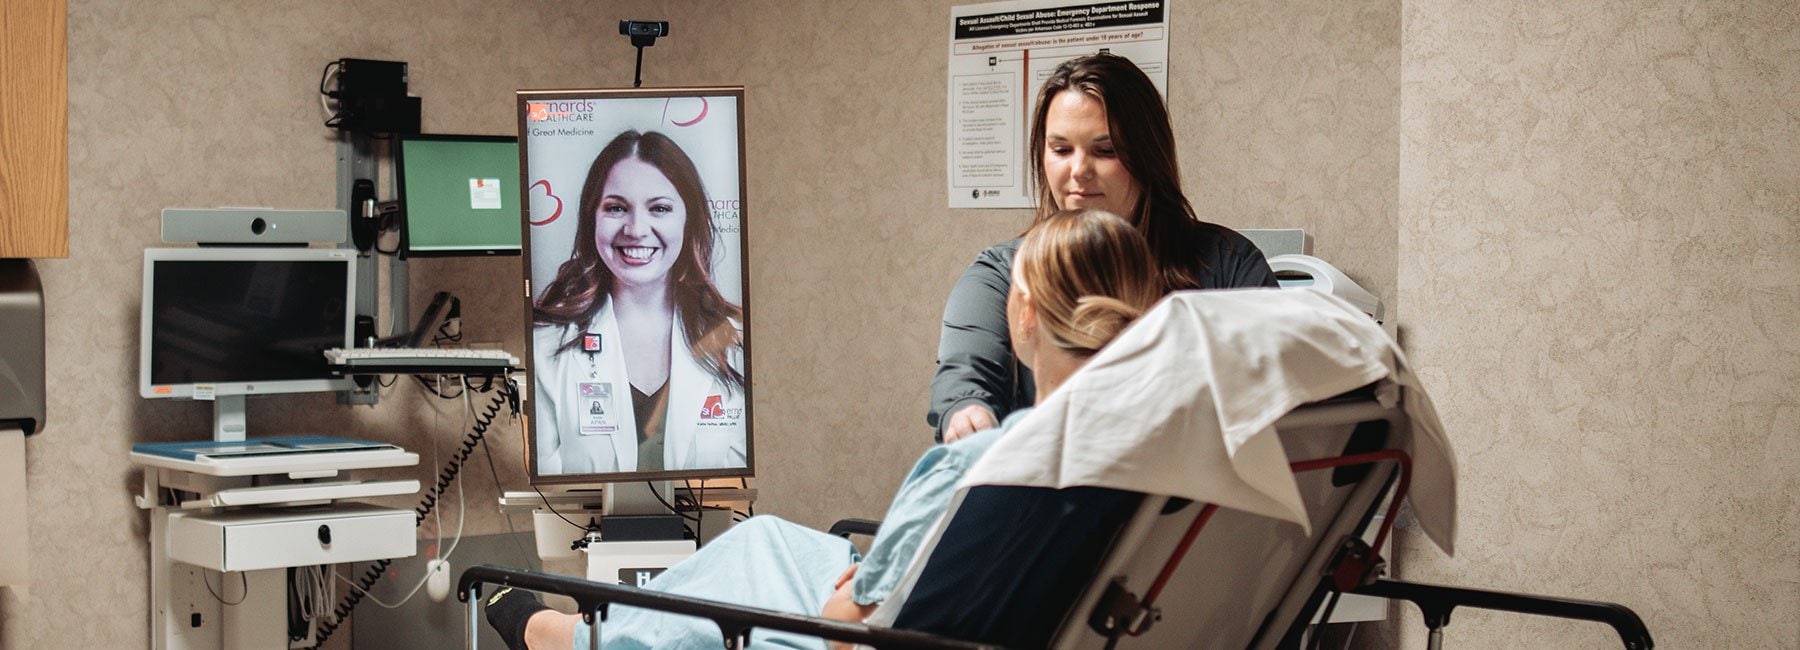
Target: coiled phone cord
x=508 y=396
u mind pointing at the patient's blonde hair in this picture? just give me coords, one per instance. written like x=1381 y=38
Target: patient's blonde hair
x=1089 y=274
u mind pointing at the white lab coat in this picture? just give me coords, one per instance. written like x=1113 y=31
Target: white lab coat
x=707 y=424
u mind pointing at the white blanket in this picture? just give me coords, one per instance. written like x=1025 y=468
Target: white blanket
x=1183 y=404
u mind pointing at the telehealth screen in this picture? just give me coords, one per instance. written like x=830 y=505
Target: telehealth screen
x=635 y=263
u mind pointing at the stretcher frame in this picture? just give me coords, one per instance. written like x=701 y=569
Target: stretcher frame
x=1108 y=609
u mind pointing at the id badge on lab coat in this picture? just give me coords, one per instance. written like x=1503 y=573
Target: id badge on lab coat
x=599 y=415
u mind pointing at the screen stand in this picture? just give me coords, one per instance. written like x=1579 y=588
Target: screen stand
x=636 y=498
x=228 y=418
x=637 y=558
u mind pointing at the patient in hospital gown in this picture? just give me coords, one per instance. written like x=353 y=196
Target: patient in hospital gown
x=1079 y=278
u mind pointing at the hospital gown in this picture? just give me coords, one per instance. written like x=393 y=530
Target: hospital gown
x=769 y=563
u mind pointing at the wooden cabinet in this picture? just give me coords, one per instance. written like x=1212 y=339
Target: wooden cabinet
x=34 y=129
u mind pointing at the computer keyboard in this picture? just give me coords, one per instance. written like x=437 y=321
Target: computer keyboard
x=421 y=357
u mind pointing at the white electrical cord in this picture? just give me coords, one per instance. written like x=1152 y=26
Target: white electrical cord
x=461 y=513
x=461 y=518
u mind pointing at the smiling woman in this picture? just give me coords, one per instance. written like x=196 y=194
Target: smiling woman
x=635 y=298
x=1100 y=138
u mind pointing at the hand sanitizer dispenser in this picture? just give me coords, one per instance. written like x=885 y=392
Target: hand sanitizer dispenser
x=22 y=349
x=21 y=406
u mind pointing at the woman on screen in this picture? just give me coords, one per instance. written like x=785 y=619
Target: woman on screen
x=639 y=362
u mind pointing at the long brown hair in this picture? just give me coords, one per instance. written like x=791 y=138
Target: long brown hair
x=1141 y=133
x=1088 y=274
x=583 y=283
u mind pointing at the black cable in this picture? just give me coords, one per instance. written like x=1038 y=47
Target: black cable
x=665 y=502
x=241 y=580
x=326 y=74
x=445 y=477
x=295 y=602
x=444 y=334
x=487 y=384
x=553 y=511
x=1324 y=620
x=699 y=507
x=336 y=118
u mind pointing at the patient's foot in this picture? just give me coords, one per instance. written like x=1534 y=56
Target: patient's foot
x=507 y=612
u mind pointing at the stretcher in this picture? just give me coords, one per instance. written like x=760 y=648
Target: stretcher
x=1245 y=552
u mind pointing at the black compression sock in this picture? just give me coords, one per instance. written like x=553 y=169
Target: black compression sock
x=507 y=612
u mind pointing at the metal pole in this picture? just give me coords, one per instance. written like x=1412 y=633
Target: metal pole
x=356 y=160
x=474 y=617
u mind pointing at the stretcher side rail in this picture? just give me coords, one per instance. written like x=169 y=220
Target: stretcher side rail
x=853 y=526
x=1437 y=601
x=735 y=621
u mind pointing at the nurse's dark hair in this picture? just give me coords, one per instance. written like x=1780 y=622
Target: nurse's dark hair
x=1088 y=275
x=582 y=283
x=1145 y=141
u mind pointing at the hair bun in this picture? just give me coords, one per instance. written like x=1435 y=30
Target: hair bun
x=1097 y=319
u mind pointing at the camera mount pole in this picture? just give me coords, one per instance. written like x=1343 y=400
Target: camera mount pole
x=641 y=42
x=643 y=34
x=637 y=77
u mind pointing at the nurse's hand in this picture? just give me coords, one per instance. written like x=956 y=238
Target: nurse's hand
x=969 y=419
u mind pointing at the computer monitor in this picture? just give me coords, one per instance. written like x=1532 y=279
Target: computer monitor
x=638 y=308
x=223 y=323
x=459 y=194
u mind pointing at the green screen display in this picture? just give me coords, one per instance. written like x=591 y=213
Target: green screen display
x=461 y=195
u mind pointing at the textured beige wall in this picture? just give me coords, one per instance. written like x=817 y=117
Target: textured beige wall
x=1285 y=114
x=1599 y=214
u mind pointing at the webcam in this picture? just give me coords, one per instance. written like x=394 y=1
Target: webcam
x=643 y=33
